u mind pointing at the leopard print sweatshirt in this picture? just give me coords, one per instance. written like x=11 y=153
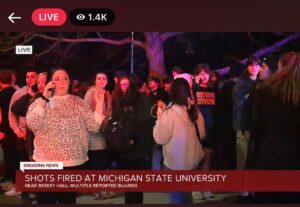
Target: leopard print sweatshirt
x=62 y=129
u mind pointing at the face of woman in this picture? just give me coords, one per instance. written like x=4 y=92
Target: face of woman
x=62 y=82
x=124 y=85
x=204 y=77
x=41 y=82
x=101 y=81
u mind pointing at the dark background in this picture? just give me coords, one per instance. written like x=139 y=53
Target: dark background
x=185 y=50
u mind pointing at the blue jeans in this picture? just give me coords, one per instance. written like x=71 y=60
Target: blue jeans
x=157 y=157
x=180 y=197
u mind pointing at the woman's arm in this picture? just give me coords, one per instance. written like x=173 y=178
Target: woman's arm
x=94 y=120
x=163 y=128
x=201 y=125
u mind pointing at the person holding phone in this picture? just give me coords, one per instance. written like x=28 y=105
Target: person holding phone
x=61 y=123
x=205 y=97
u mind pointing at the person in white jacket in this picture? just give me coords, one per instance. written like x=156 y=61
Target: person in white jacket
x=176 y=129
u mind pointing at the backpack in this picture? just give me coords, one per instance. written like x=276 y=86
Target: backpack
x=119 y=131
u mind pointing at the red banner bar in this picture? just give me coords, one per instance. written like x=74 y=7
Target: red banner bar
x=157 y=181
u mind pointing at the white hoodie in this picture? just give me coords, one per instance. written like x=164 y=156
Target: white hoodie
x=181 y=147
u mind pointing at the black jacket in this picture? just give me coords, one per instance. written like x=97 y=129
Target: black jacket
x=141 y=129
x=20 y=107
x=275 y=130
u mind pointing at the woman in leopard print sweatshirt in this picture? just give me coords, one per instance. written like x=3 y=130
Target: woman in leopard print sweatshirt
x=61 y=124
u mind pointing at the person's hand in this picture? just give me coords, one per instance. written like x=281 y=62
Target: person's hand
x=99 y=95
x=107 y=114
x=2 y=135
x=197 y=79
x=47 y=90
x=161 y=105
x=98 y=87
x=159 y=113
x=147 y=92
x=190 y=102
x=99 y=98
x=20 y=134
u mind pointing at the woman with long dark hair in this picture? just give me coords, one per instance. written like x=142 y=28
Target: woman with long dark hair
x=98 y=154
x=132 y=109
x=179 y=129
x=124 y=94
x=275 y=125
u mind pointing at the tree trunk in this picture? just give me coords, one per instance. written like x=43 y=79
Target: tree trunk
x=155 y=54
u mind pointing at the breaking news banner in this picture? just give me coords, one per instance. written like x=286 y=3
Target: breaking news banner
x=53 y=180
x=41 y=166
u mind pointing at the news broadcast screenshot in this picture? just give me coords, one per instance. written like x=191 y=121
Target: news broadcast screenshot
x=150 y=102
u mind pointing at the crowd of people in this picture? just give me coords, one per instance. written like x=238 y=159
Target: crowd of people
x=246 y=119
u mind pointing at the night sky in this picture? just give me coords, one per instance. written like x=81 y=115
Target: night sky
x=186 y=51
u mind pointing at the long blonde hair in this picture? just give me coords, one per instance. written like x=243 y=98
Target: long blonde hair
x=285 y=83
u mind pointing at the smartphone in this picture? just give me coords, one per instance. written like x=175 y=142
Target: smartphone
x=34 y=88
x=48 y=80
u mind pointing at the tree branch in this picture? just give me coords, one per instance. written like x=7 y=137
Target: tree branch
x=253 y=40
x=14 y=46
x=168 y=35
x=264 y=51
x=98 y=40
x=48 y=50
x=99 y=35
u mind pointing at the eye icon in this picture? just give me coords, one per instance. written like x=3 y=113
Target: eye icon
x=80 y=17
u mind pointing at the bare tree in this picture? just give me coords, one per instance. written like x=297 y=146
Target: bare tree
x=153 y=45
